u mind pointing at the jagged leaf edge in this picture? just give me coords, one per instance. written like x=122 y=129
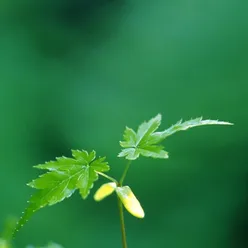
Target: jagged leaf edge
x=33 y=207
x=158 y=137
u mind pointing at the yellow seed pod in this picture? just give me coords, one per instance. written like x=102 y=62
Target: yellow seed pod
x=130 y=202
x=104 y=191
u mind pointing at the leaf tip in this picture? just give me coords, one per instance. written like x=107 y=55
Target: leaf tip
x=159 y=116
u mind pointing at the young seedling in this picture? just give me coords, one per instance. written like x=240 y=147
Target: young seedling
x=66 y=175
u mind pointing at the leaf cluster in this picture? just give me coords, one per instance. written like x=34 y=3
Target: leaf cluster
x=147 y=142
x=66 y=175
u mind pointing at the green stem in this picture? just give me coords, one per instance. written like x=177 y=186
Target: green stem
x=123 y=231
x=106 y=176
x=125 y=172
x=120 y=206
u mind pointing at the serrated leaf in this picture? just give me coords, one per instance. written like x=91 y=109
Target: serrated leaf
x=100 y=165
x=146 y=129
x=129 y=137
x=39 y=200
x=129 y=153
x=146 y=141
x=153 y=151
x=27 y=214
x=64 y=176
x=130 y=201
x=83 y=156
x=49 y=180
x=61 y=164
x=86 y=181
x=137 y=144
x=182 y=126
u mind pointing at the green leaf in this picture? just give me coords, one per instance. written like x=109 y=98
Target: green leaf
x=129 y=138
x=182 y=126
x=64 y=176
x=153 y=151
x=137 y=144
x=61 y=164
x=86 y=180
x=129 y=153
x=146 y=129
x=146 y=141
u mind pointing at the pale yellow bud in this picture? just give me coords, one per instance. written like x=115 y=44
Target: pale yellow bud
x=104 y=191
x=130 y=202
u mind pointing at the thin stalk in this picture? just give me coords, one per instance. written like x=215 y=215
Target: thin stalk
x=106 y=176
x=125 y=172
x=123 y=230
x=120 y=206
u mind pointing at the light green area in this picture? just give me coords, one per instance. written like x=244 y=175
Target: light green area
x=50 y=245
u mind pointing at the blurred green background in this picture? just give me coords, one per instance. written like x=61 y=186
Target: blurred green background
x=75 y=73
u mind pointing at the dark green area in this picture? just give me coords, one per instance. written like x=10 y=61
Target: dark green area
x=75 y=73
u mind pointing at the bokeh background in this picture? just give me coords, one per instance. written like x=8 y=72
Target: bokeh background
x=75 y=73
